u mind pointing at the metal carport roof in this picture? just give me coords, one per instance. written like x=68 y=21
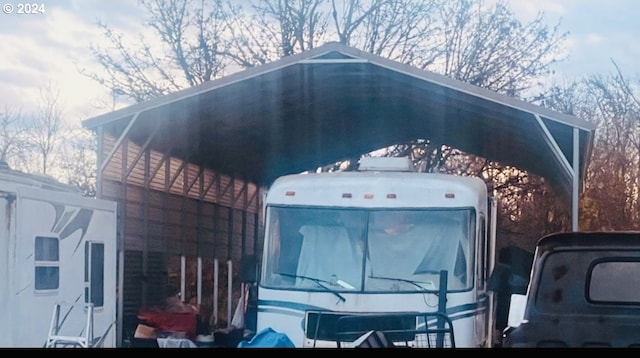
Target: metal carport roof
x=334 y=101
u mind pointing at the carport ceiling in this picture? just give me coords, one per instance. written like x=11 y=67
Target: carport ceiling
x=333 y=102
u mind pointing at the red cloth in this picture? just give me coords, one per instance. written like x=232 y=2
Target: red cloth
x=170 y=321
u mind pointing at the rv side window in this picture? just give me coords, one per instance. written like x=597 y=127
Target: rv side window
x=483 y=252
x=94 y=273
x=47 y=263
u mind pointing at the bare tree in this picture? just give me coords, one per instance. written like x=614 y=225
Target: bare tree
x=466 y=40
x=266 y=30
x=78 y=164
x=12 y=138
x=401 y=30
x=190 y=33
x=610 y=198
x=489 y=48
x=45 y=127
x=614 y=171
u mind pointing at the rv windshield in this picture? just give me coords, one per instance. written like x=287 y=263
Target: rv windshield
x=368 y=250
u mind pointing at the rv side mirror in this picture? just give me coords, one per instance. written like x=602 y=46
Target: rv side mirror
x=248 y=269
x=516 y=310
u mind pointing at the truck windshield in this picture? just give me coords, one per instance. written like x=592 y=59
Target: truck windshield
x=368 y=250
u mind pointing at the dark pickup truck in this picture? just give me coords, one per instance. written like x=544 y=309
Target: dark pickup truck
x=584 y=291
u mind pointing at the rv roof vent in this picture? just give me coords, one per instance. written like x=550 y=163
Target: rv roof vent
x=387 y=164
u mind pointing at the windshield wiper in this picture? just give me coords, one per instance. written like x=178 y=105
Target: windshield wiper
x=318 y=282
x=412 y=282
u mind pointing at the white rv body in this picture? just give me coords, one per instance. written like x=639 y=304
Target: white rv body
x=55 y=247
x=373 y=195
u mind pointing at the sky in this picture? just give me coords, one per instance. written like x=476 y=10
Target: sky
x=53 y=46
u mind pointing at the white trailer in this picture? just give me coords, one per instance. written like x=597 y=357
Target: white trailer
x=58 y=250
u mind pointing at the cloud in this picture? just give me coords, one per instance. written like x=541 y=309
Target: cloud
x=125 y=15
x=598 y=31
x=594 y=38
x=52 y=48
x=528 y=10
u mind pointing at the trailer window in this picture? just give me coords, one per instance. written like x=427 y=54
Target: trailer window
x=47 y=263
x=483 y=252
x=94 y=273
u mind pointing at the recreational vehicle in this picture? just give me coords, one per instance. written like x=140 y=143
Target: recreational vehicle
x=383 y=248
x=58 y=254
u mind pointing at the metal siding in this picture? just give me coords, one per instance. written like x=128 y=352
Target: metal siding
x=157 y=165
x=209 y=222
x=132 y=299
x=226 y=187
x=157 y=279
x=237 y=238
x=156 y=243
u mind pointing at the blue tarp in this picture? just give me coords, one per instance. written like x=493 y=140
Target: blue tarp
x=267 y=338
